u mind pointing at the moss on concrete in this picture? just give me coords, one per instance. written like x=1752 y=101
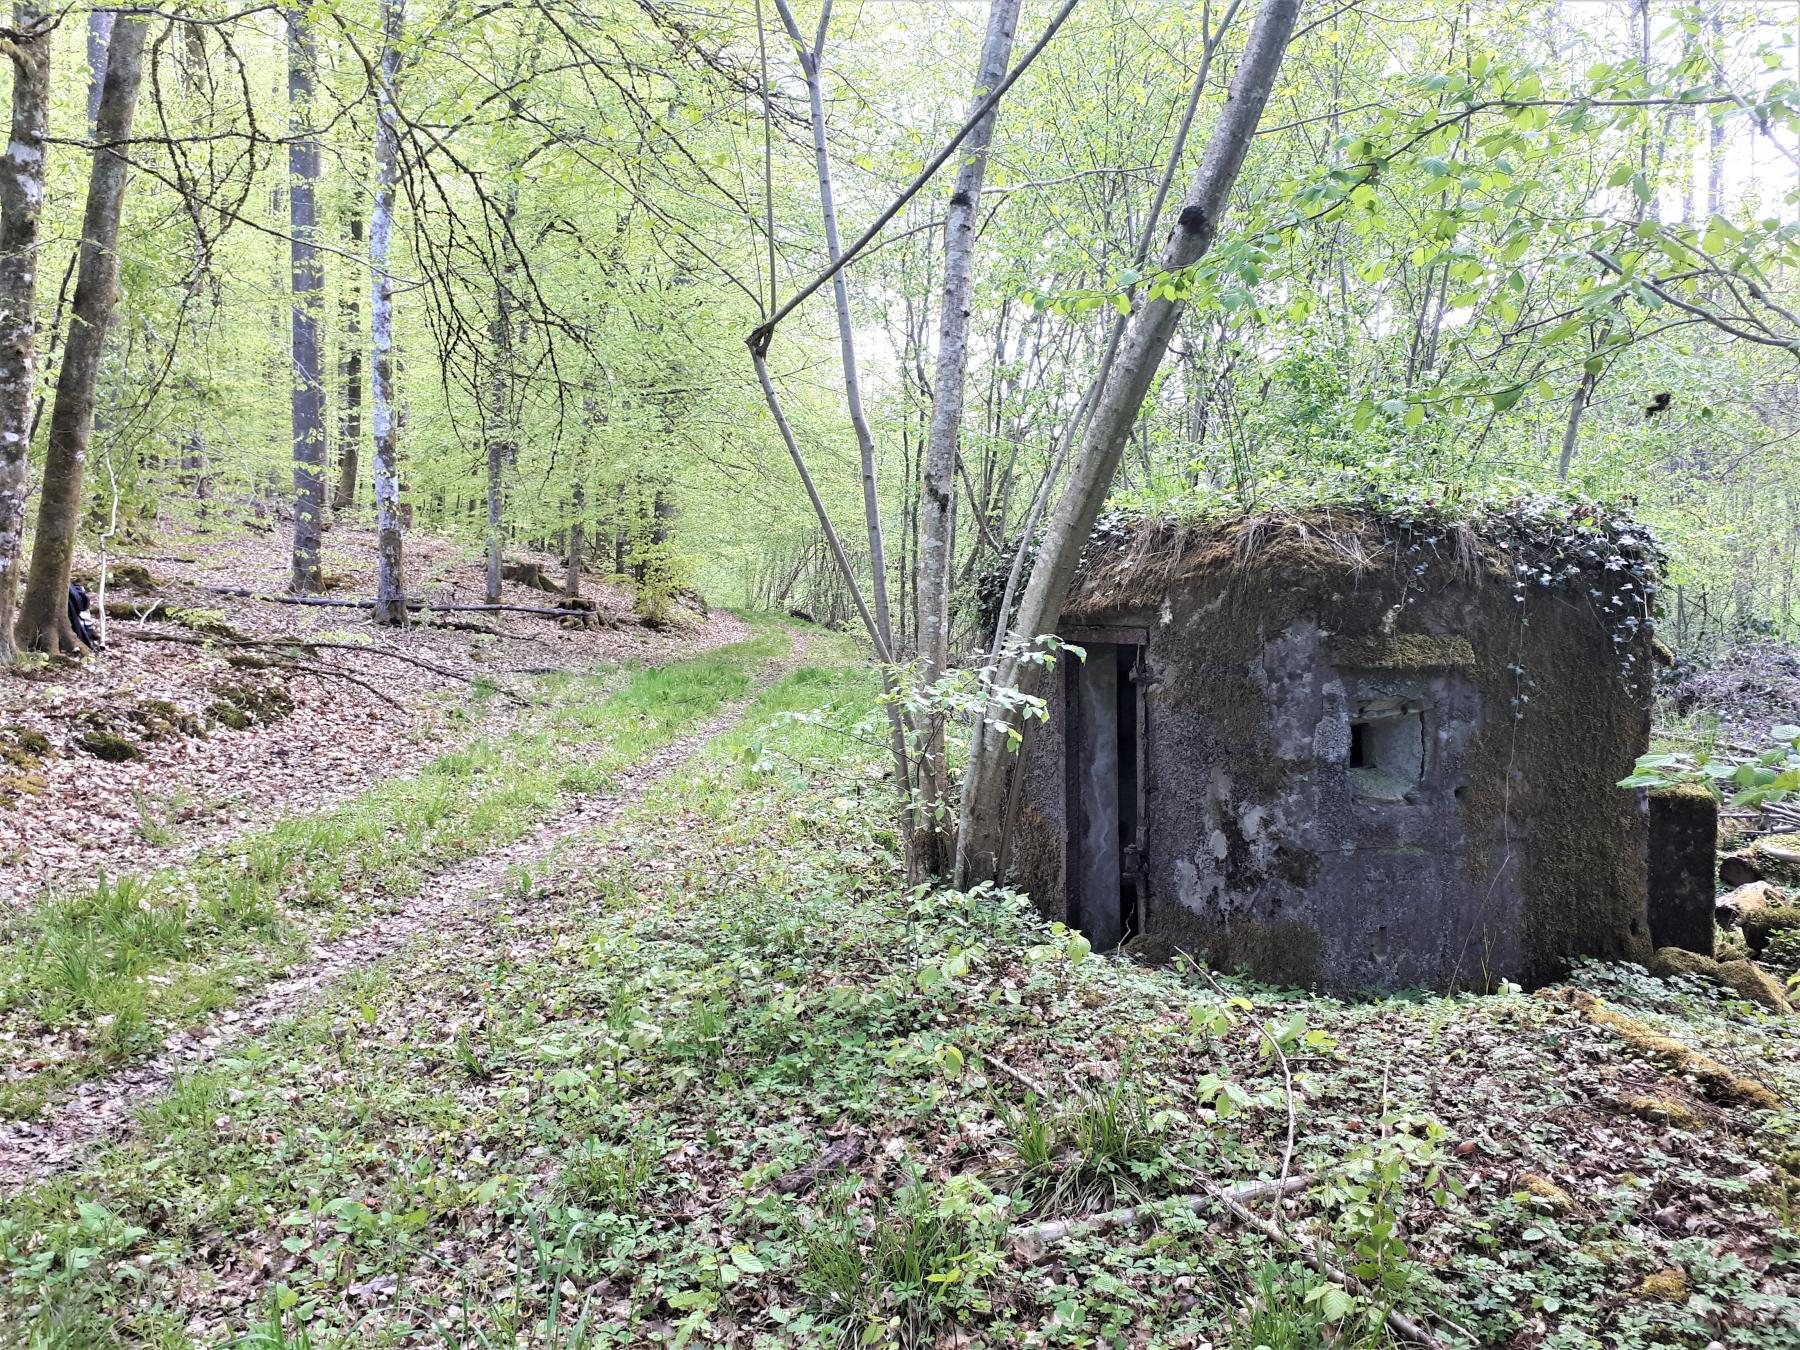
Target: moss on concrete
x=1405 y=651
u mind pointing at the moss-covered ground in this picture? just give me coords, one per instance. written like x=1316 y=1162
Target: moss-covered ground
x=595 y=1128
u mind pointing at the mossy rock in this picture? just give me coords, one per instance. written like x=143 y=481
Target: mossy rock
x=133 y=576
x=210 y=622
x=22 y=748
x=1661 y=1111
x=32 y=742
x=1719 y=1081
x=1753 y=983
x=259 y=702
x=22 y=785
x=1759 y=925
x=1546 y=1192
x=1667 y=1286
x=109 y=746
x=130 y=611
x=1744 y=978
x=225 y=715
x=161 y=720
x=1406 y=651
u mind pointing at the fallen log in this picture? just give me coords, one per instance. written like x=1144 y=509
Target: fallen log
x=244 y=593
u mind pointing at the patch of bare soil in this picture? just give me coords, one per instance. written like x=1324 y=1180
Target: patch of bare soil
x=457 y=909
x=1754 y=686
x=171 y=740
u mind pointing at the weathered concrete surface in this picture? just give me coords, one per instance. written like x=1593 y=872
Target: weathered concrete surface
x=1498 y=847
x=1684 y=838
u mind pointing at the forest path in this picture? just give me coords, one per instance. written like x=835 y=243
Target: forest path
x=459 y=905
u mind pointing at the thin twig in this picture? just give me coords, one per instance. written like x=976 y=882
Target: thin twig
x=1045 y=1233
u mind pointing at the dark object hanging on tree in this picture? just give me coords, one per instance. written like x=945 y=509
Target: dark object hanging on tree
x=78 y=608
x=1658 y=403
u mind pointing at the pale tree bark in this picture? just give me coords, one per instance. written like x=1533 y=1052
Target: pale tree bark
x=1109 y=426
x=390 y=587
x=577 y=541
x=307 y=274
x=811 y=66
x=44 y=618
x=502 y=448
x=99 y=38
x=21 y=206
x=1578 y=406
x=350 y=363
x=937 y=498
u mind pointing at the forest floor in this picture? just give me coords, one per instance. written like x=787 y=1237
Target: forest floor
x=691 y=1064
x=218 y=743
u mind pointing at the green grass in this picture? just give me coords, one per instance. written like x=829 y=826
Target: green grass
x=135 y=956
x=568 y=1134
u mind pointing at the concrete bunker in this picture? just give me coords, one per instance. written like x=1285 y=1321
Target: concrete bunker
x=1348 y=752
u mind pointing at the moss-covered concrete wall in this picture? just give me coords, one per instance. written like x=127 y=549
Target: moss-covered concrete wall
x=1500 y=849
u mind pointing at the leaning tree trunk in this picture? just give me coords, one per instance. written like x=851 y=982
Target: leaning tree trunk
x=981 y=837
x=937 y=499
x=308 y=279
x=390 y=587
x=21 y=204
x=44 y=620
x=343 y=497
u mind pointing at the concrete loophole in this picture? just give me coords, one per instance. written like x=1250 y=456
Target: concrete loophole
x=1387 y=748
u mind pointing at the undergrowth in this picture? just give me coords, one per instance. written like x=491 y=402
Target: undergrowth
x=123 y=962
x=729 y=1081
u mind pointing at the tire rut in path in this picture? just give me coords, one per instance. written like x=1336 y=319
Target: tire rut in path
x=104 y=1109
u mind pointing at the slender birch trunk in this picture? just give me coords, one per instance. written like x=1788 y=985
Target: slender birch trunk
x=99 y=38
x=21 y=206
x=390 y=587
x=1115 y=412
x=811 y=66
x=350 y=427
x=44 y=619
x=307 y=273
x=937 y=500
x=501 y=447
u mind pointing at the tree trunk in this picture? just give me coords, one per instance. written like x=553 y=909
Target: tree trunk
x=308 y=278
x=99 y=39
x=811 y=66
x=572 y=578
x=500 y=448
x=1121 y=399
x=44 y=620
x=21 y=204
x=390 y=588
x=351 y=370
x=937 y=502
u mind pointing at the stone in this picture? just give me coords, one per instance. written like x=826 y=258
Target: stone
x=1684 y=832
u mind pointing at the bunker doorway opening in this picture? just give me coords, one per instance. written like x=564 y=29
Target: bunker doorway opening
x=1106 y=786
